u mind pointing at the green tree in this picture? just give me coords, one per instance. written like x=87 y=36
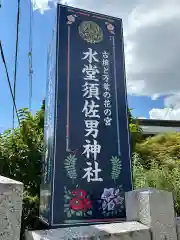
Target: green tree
x=21 y=152
x=40 y=116
x=156 y=163
x=162 y=149
x=162 y=178
x=135 y=130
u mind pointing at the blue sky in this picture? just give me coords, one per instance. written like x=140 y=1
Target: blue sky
x=42 y=31
x=141 y=88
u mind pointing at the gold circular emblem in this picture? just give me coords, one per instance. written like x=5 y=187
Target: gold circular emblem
x=91 y=32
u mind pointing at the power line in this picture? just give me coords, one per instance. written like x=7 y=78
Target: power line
x=16 y=58
x=30 y=54
x=9 y=83
x=8 y=79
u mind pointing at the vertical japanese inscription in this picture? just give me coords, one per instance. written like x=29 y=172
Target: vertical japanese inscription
x=91 y=95
x=106 y=88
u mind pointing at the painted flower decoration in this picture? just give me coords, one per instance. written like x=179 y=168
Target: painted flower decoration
x=87 y=204
x=104 y=205
x=80 y=201
x=108 y=194
x=110 y=27
x=76 y=204
x=71 y=18
x=79 y=193
x=111 y=205
x=116 y=192
x=118 y=200
x=111 y=201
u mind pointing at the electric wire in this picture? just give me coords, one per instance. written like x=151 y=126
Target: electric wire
x=30 y=54
x=16 y=59
x=8 y=79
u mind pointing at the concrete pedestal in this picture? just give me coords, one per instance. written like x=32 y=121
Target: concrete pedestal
x=122 y=231
x=155 y=209
x=10 y=208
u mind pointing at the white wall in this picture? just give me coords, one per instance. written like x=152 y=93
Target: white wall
x=159 y=129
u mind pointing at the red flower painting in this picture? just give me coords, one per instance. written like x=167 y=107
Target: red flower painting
x=80 y=193
x=77 y=203
x=80 y=202
x=87 y=204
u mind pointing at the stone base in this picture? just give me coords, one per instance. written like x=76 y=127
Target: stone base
x=113 y=231
x=11 y=193
x=155 y=209
x=178 y=227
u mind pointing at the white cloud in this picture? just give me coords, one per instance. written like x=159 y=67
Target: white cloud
x=141 y=118
x=103 y=6
x=172 y=101
x=153 y=31
x=44 y=5
x=167 y=114
x=171 y=110
x=152 y=37
x=41 y=5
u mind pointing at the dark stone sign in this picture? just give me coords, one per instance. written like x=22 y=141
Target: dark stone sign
x=87 y=165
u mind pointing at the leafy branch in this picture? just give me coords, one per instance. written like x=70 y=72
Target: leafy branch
x=70 y=166
x=116 y=167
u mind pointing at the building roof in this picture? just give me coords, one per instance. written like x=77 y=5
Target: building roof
x=156 y=122
x=153 y=126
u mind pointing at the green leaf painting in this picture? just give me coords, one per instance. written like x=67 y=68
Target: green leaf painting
x=116 y=168
x=70 y=166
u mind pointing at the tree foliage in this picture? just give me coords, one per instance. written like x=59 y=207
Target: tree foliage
x=157 y=177
x=135 y=130
x=21 y=152
x=157 y=164
x=162 y=149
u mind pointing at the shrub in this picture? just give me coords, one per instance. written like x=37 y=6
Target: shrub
x=21 y=152
x=164 y=178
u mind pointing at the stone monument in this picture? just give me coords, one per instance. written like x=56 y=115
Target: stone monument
x=10 y=208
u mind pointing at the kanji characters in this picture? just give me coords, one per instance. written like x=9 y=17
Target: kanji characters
x=105 y=77
x=107 y=121
x=105 y=62
x=92 y=174
x=91 y=109
x=107 y=103
x=90 y=56
x=105 y=55
x=91 y=149
x=91 y=90
x=90 y=72
x=91 y=128
x=106 y=87
x=107 y=92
